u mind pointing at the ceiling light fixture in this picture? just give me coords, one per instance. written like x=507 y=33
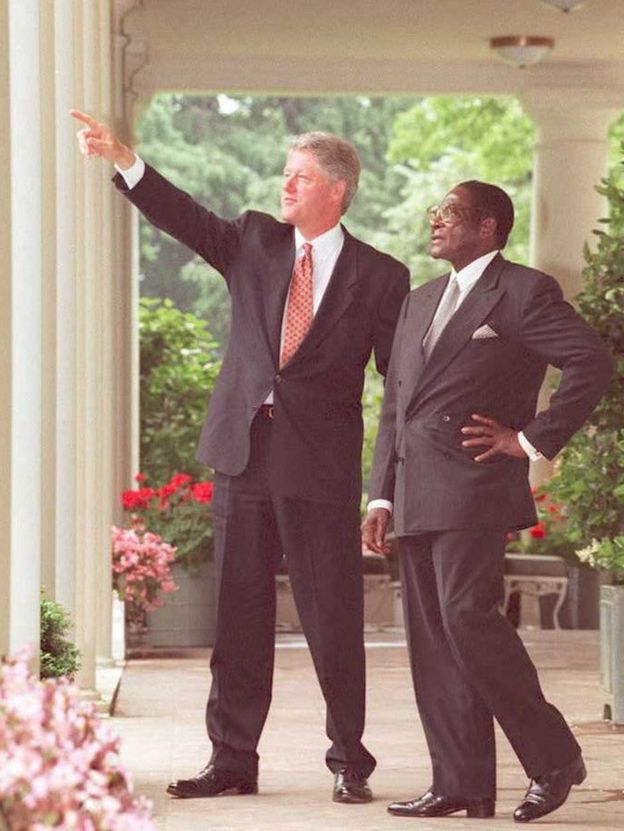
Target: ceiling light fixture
x=565 y=5
x=522 y=50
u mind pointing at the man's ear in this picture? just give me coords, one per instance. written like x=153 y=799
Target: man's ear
x=488 y=227
x=338 y=190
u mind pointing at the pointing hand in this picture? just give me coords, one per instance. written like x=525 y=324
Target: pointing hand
x=97 y=140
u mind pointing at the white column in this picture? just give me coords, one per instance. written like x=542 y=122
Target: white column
x=570 y=160
x=58 y=537
x=88 y=335
x=66 y=542
x=106 y=495
x=20 y=324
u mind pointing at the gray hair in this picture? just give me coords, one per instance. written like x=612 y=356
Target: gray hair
x=337 y=157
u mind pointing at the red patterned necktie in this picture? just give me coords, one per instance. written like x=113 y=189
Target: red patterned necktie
x=300 y=308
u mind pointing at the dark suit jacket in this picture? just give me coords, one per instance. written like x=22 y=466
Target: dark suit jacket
x=420 y=463
x=317 y=429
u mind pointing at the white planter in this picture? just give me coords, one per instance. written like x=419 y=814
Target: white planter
x=612 y=651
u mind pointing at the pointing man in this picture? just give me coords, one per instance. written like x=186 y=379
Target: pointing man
x=284 y=435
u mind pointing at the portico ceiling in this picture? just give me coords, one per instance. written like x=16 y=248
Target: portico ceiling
x=369 y=46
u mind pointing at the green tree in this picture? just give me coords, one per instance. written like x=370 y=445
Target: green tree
x=442 y=141
x=590 y=470
x=178 y=370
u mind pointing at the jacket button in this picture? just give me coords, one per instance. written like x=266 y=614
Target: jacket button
x=399 y=383
x=278 y=379
x=446 y=418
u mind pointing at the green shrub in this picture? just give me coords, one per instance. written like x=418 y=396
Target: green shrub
x=590 y=470
x=178 y=372
x=59 y=656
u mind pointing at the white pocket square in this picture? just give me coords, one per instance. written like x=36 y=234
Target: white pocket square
x=484 y=331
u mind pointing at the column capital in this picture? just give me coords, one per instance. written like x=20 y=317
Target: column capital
x=582 y=113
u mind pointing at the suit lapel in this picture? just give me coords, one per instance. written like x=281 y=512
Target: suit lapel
x=282 y=263
x=459 y=330
x=421 y=315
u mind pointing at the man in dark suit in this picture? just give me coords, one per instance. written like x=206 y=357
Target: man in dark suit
x=451 y=461
x=284 y=435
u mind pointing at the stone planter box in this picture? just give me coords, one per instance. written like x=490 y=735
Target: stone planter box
x=188 y=617
x=581 y=607
x=380 y=604
x=612 y=651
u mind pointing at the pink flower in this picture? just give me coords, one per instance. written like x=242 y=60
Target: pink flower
x=59 y=763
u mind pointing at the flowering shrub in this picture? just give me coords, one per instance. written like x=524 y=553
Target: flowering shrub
x=607 y=554
x=141 y=570
x=178 y=511
x=548 y=535
x=59 y=763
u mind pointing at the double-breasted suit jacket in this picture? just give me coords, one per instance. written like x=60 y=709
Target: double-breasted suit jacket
x=317 y=431
x=490 y=359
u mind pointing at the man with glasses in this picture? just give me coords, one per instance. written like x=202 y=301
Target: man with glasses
x=458 y=428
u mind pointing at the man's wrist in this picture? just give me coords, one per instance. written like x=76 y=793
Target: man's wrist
x=528 y=448
x=132 y=175
x=126 y=160
x=380 y=503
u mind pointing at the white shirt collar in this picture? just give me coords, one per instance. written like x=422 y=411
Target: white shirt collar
x=468 y=275
x=324 y=243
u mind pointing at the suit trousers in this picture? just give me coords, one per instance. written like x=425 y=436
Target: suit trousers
x=469 y=665
x=253 y=527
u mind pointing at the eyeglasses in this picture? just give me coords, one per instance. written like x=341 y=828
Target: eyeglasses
x=449 y=214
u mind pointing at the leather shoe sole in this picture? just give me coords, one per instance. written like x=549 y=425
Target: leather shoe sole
x=548 y=793
x=212 y=781
x=432 y=805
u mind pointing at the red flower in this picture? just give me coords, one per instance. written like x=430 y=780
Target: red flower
x=140 y=477
x=538 y=531
x=202 y=492
x=137 y=500
x=180 y=479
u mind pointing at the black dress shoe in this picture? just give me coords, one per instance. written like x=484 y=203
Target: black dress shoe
x=436 y=805
x=213 y=781
x=351 y=787
x=547 y=793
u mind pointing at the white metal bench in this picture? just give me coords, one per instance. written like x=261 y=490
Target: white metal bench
x=536 y=575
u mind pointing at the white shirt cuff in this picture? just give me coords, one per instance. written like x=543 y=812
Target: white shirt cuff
x=379 y=503
x=528 y=448
x=133 y=175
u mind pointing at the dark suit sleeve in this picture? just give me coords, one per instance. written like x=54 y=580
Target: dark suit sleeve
x=382 y=474
x=555 y=332
x=176 y=212
x=387 y=314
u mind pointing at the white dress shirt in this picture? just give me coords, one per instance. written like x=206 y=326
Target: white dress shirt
x=326 y=249
x=466 y=279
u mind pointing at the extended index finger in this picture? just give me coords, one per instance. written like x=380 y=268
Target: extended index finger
x=86 y=119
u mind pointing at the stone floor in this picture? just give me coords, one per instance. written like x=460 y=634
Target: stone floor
x=160 y=718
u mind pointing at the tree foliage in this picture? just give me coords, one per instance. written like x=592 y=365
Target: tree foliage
x=590 y=477
x=178 y=370
x=58 y=656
